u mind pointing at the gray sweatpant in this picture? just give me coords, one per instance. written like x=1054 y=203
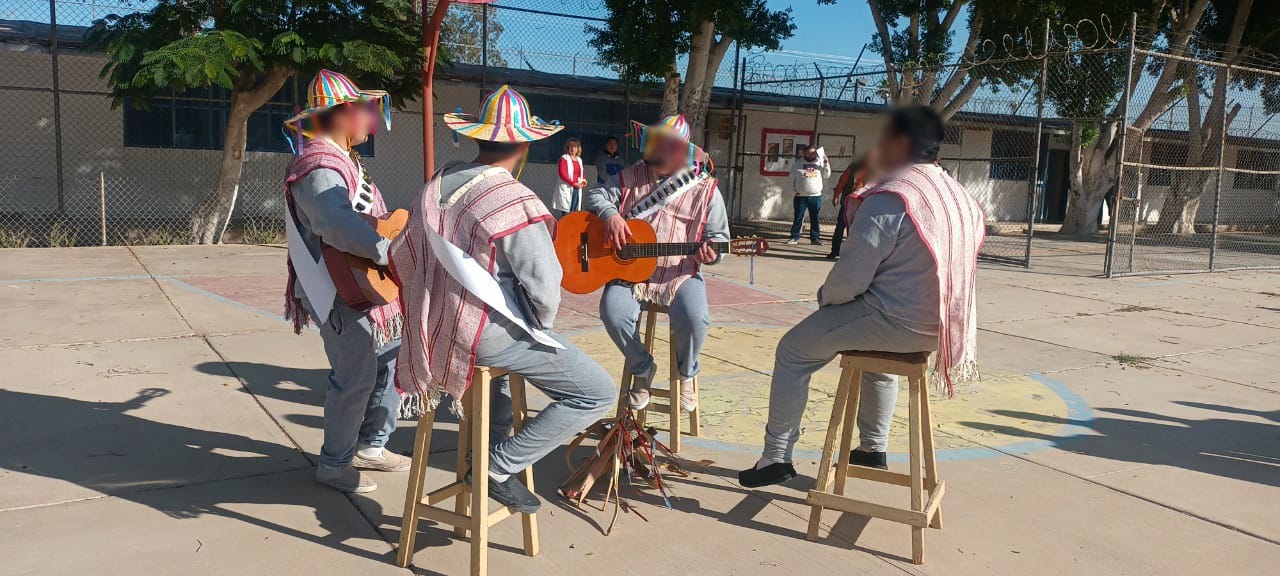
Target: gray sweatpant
x=361 y=404
x=689 y=315
x=581 y=393
x=816 y=341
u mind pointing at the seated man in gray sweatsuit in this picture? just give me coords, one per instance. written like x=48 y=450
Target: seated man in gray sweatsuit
x=882 y=295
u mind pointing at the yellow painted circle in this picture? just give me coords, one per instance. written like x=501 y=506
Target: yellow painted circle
x=1002 y=409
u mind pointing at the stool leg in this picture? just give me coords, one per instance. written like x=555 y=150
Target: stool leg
x=478 y=422
x=650 y=325
x=673 y=403
x=695 y=420
x=930 y=457
x=520 y=406
x=413 y=494
x=917 y=481
x=462 y=502
x=828 y=448
x=623 y=389
x=846 y=434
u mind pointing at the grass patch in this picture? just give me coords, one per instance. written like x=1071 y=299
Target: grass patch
x=1132 y=360
x=14 y=238
x=60 y=236
x=255 y=232
x=151 y=237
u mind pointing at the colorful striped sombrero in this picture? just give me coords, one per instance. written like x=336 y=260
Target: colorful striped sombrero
x=330 y=89
x=675 y=126
x=505 y=117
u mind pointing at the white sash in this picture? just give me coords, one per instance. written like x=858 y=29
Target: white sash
x=480 y=283
x=312 y=274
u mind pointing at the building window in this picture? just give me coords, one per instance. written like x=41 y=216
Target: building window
x=1257 y=160
x=1165 y=154
x=953 y=135
x=197 y=120
x=1016 y=145
x=594 y=120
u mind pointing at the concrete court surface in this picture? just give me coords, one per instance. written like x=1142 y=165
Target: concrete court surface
x=157 y=416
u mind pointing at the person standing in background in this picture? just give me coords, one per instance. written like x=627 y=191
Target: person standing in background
x=608 y=161
x=852 y=181
x=572 y=180
x=808 y=179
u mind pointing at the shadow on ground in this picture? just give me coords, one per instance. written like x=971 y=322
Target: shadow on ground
x=1237 y=449
x=111 y=451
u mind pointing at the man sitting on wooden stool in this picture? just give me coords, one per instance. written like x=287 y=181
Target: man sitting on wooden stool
x=904 y=283
x=481 y=287
x=672 y=189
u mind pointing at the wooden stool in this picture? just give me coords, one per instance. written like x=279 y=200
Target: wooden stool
x=649 y=317
x=471 y=503
x=922 y=513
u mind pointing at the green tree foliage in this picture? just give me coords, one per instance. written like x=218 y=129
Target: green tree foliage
x=644 y=40
x=252 y=47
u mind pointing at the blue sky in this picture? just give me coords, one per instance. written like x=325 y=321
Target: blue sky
x=839 y=29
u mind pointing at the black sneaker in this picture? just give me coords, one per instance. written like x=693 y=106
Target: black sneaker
x=769 y=475
x=869 y=459
x=833 y=256
x=511 y=493
x=816 y=242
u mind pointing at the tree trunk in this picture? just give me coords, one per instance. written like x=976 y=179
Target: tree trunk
x=210 y=218
x=671 y=94
x=1092 y=175
x=700 y=79
x=1205 y=137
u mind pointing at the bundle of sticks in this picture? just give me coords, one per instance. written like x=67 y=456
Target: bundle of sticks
x=625 y=450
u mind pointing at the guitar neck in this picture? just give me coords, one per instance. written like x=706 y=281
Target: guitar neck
x=660 y=249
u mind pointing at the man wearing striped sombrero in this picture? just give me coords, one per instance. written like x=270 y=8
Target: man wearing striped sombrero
x=673 y=190
x=328 y=195
x=481 y=286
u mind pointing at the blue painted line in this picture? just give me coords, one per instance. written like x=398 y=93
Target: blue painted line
x=1078 y=416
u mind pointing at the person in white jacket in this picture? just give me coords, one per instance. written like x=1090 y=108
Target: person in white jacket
x=808 y=179
x=572 y=180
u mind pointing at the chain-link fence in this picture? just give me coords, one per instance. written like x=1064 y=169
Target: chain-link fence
x=1201 y=171
x=1034 y=133
x=995 y=143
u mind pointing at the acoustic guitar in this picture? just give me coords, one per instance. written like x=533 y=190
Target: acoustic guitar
x=590 y=262
x=361 y=282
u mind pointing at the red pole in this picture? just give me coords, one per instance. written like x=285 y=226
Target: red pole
x=430 y=43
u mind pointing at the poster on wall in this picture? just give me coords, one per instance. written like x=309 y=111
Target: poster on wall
x=779 y=149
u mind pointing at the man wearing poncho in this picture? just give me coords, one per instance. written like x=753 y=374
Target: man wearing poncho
x=327 y=194
x=904 y=283
x=474 y=216
x=672 y=189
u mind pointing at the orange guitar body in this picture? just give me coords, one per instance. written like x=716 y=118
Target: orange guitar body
x=361 y=283
x=582 y=238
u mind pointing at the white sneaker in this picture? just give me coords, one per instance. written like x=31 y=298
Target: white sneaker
x=792 y=242
x=388 y=461
x=638 y=396
x=345 y=479
x=688 y=395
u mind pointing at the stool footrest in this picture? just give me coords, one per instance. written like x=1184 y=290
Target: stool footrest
x=919 y=518
x=877 y=475
x=450 y=491
x=445 y=516
x=935 y=500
